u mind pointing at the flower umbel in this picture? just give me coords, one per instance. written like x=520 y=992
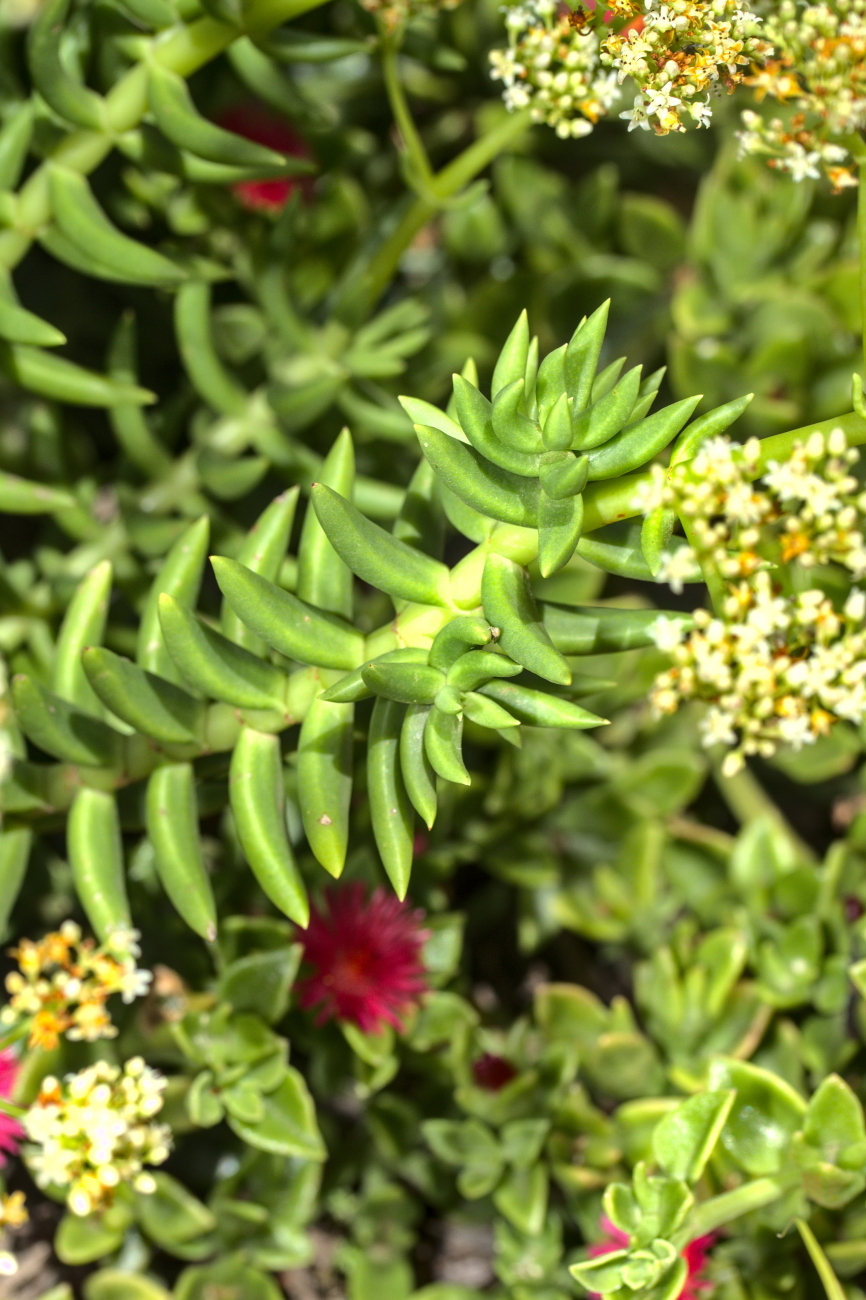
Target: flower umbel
x=817 y=75
x=364 y=956
x=779 y=663
x=93 y=1130
x=64 y=981
x=568 y=65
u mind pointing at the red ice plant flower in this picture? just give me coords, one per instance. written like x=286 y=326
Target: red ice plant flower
x=11 y=1131
x=492 y=1072
x=364 y=956
x=255 y=123
x=696 y=1254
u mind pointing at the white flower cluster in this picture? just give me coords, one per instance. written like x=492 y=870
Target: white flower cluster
x=818 y=72
x=554 y=68
x=568 y=67
x=777 y=664
x=679 y=53
x=93 y=1130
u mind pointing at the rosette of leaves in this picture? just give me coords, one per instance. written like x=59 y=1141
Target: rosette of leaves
x=468 y=644
x=746 y=1142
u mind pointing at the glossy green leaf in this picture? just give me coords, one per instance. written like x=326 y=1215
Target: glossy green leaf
x=483 y=486
x=288 y=1126
x=325 y=780
x=324 y=580
x=376 y=556
x=61 y=730
x=257 y=798
x=686 y=1137
x=639 y=443
x=509 y=606
x=286 y=623
x=263 y=551
x=172 y=827
x=180 y=577
x=261 y=982
x=766 y=1113
x=390 y=807
x=215 y=665
x=155 y=707
x=96 y=858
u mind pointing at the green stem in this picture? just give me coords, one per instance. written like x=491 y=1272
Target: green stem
x=857 y=146
x=712 y=1214
x=861 y=231
x=366 y=282
x=832 y=1286
x=412 y=141
x=607 y=502
x=748 y=801
x=21 y=1030
x=714 y=581
x=9 y=1108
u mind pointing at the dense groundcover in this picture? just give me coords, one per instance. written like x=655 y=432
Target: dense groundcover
x=433 y=650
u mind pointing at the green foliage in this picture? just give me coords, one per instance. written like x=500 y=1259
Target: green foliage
x=247 y=643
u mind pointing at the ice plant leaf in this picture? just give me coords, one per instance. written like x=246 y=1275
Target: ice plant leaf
x=485 y=487
x=286 y=623
x=325 y=780
x=376 y=556
x=257 y=794
x=509 y=606
x=172 y=826
x=638 y=443
x=96 y=860
x=390 y=809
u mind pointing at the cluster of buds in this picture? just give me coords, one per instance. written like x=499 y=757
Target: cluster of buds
x=818 y=72
x=64 y=981
x=680 y=53
x=394 y=14
x=553 y=65
x=94 y=1130
x=569 y=67
x=13 y=1214
x=778 y=663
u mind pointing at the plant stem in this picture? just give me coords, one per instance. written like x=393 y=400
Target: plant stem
x=748 y=801
x=368 y=279
x=15 y=1035
x=607 y=502
x=712 y=1214
x=861 y=231
x=832 y=1285
x=412 y=141
x=714 y=581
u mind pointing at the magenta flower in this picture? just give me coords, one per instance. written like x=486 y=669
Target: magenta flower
x=696 y=1254
x=255 y=123
x=11 y=1131
x=364 y=956
x=492 y=1072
